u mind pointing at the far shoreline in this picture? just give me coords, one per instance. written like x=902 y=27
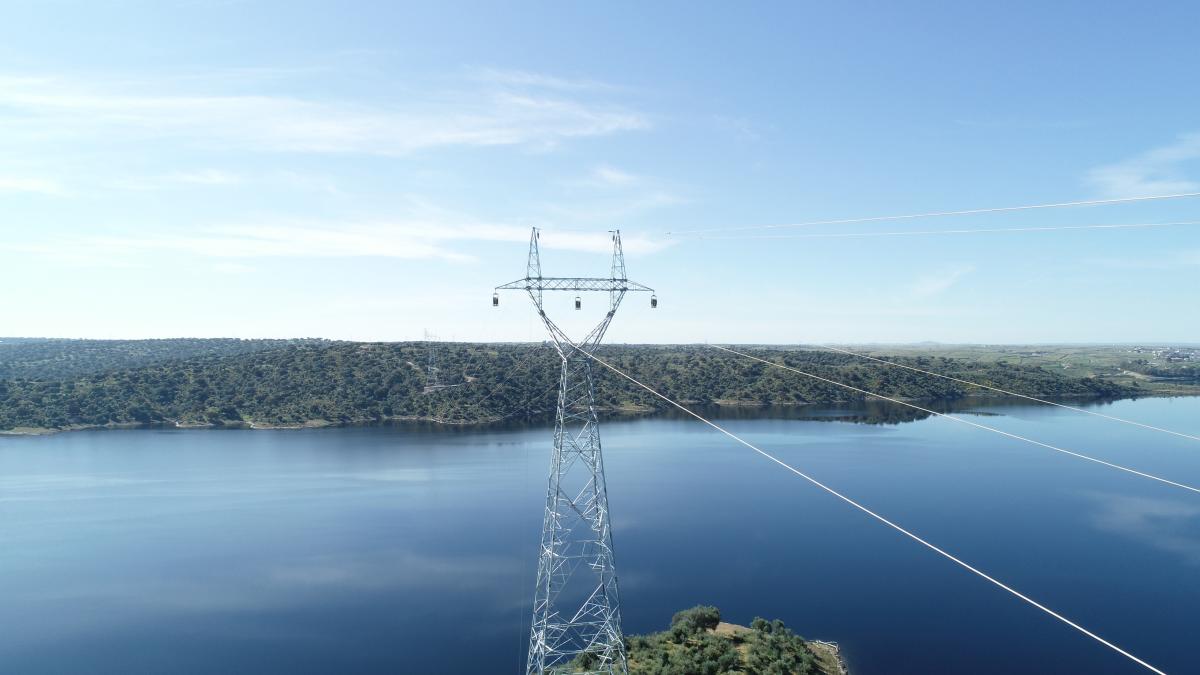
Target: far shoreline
x=541 y=417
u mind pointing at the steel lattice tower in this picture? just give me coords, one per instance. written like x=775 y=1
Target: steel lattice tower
x=431 y=373
x=576 y=614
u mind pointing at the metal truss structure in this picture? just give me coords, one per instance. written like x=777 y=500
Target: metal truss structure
x=431 y=373
x=576 y=613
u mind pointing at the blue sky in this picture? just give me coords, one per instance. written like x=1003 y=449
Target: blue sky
x=371 y=170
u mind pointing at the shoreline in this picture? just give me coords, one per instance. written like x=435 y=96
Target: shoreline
x=624 y=411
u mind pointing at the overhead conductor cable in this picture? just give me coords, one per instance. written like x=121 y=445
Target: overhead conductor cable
x=921 y=233
x=1010 y=393
x=967 y=422
x=940 y=214
x=889 y=523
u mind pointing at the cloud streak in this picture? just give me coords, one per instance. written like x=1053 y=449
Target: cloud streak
x=1165 y=260
x=936 y=284
x=607 y=175
x=40 y=186
x=409 y=240
x=524 y=78
x=607 y=194
x=517 y=112
x=1158 y=171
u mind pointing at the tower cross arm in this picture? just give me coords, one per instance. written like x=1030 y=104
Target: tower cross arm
x=573 y=284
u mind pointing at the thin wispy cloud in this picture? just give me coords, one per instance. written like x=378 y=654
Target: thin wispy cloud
x=41 y=186
x=742 y=130
x=1165 y=260
x=939 y=282
x=606 y=194
x=204 y=177
x=607 y=175
x=174 y=179
x=608 y=211
x=63 y=110
x=526 y=79
x=232 y=268
x=407 y=240
x=1163 y=170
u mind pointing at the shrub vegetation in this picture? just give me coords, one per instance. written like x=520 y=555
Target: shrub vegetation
x=273 y=382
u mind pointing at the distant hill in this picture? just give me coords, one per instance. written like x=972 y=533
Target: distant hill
x=69 y=384
x=53 y=358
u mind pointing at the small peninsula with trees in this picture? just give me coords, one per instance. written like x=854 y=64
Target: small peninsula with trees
x=699 y=643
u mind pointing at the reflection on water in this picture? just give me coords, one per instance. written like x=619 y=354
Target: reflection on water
x=871 y=411
x=383 y=548
x=1172 y=525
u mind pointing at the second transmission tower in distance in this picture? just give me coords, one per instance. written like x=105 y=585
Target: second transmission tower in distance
x=431 y=371
x=576 y=613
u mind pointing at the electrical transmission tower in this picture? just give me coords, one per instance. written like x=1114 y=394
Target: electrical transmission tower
x=431 y=373
x=576 y=614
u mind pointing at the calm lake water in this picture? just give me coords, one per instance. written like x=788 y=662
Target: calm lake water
x=411 y=550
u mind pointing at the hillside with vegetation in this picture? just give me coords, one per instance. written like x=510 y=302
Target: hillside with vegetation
x=43 y=358
x=1164 y=370
x=310 y=382
x=698 y=643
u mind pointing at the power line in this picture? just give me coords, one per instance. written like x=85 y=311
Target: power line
x=511 y=373
x=938 y=214
x=913 y=233
x=1010 y=393
x=887 y=522
x=968 y=422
